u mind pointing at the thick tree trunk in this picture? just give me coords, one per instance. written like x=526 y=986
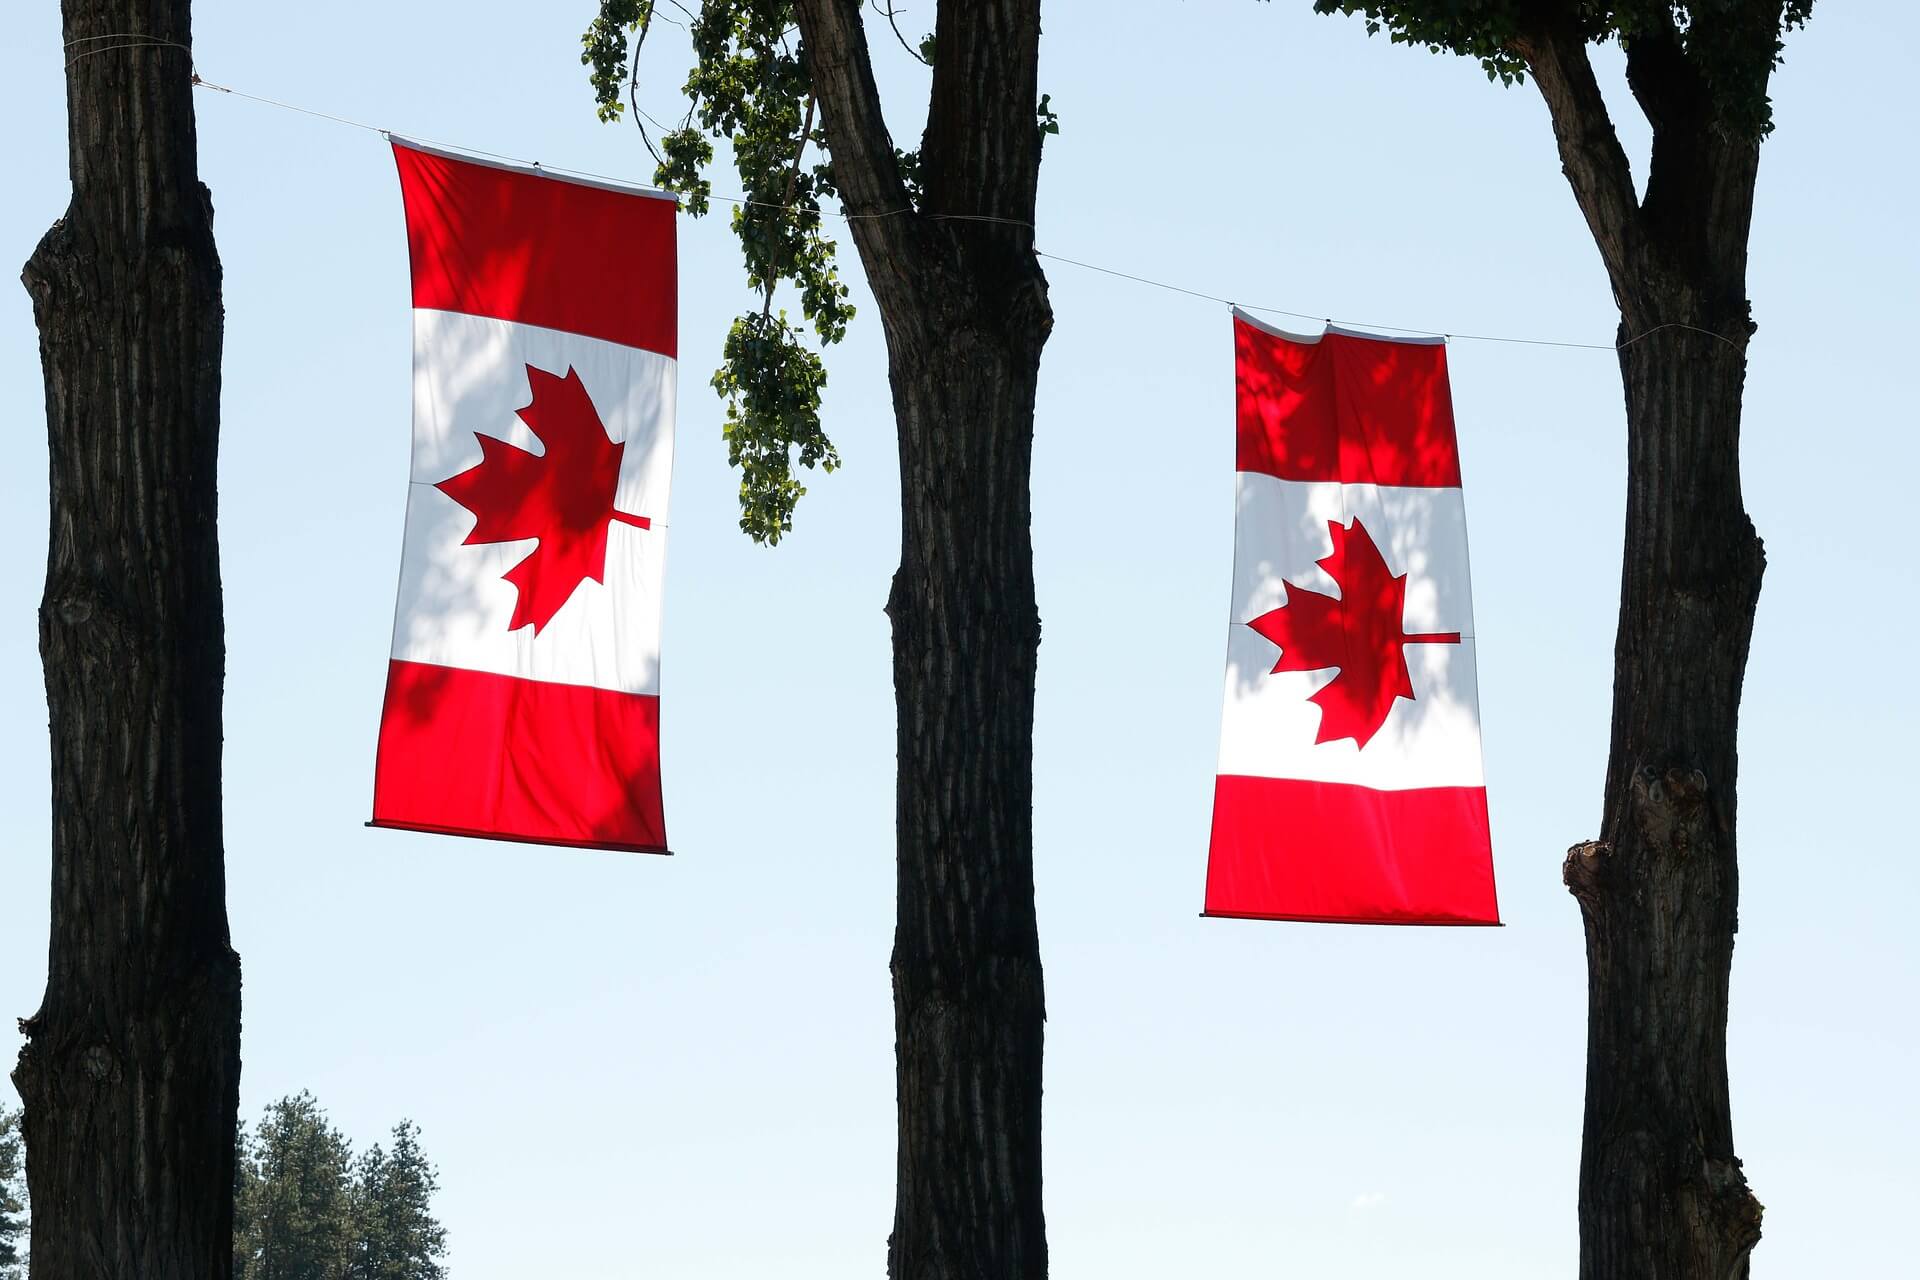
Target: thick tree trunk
x=1662 y=1196
x=1661 y=1192
x=968 y=1000
x=131 y=1067
x=964 y=306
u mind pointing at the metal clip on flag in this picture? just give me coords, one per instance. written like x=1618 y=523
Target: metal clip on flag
x=1350 y=787
x=523 y=693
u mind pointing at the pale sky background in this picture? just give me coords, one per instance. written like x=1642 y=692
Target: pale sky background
x=628 y=1065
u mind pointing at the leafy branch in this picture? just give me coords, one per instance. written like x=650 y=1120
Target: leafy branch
x=1732 y=48
x=750 y=85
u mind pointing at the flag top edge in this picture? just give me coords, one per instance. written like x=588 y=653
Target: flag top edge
x=1358 y=410
x=512 y=243
x=1339 y=331
x=401 y=142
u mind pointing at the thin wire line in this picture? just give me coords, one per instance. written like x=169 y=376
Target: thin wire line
x=147 y=36
x=746 y=202
x=1158 y=284
x=650 y=118
x=204 y=83
x=110 y=35
x=1675 y=324
x=1303 y=315
x=130 y=40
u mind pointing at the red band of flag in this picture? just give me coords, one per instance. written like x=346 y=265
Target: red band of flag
x=1343 y=409
x=1290 y=850
x=477 y=754
x=499 y=242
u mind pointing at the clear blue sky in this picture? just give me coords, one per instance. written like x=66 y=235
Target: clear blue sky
x=683 y=1067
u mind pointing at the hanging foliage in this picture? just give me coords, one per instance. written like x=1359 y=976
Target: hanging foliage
x=750 y=84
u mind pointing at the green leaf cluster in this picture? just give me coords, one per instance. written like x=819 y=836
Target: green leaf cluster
x=771 y=381
x=1732 y=44
x=1481 y=29
x=750 y=85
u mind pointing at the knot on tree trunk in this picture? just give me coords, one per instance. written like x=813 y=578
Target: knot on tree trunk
x=1583 y=870
x=1733 y=1212
x=1670 y=808
x=46 y=266
x=89 y=625
x=100 y=1064
x=23 y=1064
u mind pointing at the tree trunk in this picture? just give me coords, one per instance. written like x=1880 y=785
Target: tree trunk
x=968 y=1001
x=131 y=1068
x=1661 y=1192
x=1662 y=1196
x=964 y=305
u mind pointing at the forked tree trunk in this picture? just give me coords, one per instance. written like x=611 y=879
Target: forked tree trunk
x=1662 y=1196
x=131 y=1067
x=964 y=306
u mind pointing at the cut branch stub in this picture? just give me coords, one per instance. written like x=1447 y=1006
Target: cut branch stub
x=1583 y=869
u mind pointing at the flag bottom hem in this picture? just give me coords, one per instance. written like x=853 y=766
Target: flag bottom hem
x=609 y=846
x=1431 y=921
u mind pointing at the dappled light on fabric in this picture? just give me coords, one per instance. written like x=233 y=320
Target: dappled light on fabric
x=562 y=497
x=1338 y=407
x=493 y=251
x=1360 y=633
x=1349 y=787
x=524 y=676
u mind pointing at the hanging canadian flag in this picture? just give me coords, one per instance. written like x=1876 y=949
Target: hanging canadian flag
x=1350 y=786
x=523 y=692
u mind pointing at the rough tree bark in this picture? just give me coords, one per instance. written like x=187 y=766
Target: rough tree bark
x=131 y=1067
x=1661 y=1191
x=964 y=306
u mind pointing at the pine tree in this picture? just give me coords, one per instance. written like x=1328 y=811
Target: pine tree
x=396 y=1236
x=293 y=1196
x=13 y=1198
x=245 y=1192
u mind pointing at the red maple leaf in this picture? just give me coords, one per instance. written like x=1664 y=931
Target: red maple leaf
x=1358 y=633
x=563 y=497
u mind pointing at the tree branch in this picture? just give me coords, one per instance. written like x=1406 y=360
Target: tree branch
x=1590 y=151
x=1674 y=97
x=1697 y=91
x=981 y=153
x=865 y=170
x=786 y=207
x=893 y=20
x=1667 y=87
